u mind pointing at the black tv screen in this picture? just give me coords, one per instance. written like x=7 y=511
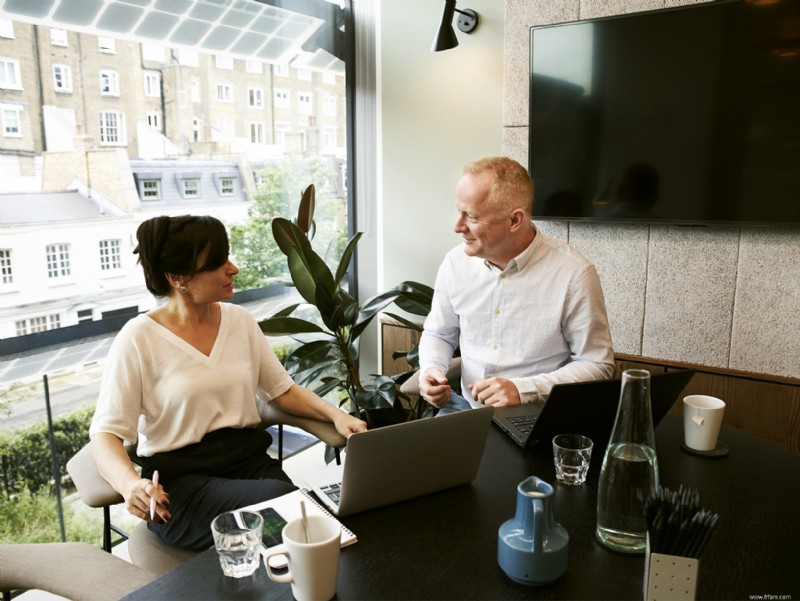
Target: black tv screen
x=685 y=115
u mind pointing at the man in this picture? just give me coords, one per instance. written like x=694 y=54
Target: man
x=526 y=309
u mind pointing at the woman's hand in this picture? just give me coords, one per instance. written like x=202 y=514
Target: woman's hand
x=137 y=501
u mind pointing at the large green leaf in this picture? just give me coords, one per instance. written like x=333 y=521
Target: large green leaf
x=305 y=214
x=326 y=305
x=308 y=271
x=288 y=236
x=285 y=312
x=286 y=326
x=414 y=297
x=311 y=354
x=378 y=302
x=346 y=310
x=404 y=321
x=344 y=262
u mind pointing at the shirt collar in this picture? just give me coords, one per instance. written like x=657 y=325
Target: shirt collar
x=519 y=262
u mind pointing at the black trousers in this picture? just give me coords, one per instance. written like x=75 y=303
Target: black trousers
x=226 y=470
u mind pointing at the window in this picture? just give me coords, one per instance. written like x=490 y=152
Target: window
x=329 y=78
x=62 y=78
x=196 y=129
x=282 y=129
x=188 y=58
x=190 y=187
x=9 y=74
x=85 y=315
x=224 y=92
x=329 y=105
x=11 y=118
x=304 y=75
x=281 y=98
x=107 y=45
x=112 y=128
x=257 y=133
x=256 y=96
x=58 y=36
x=154 y=119
x=38 y=324
x=226 y=127
x=152 y=84
x=7 y=29
x=153 y=53
x=6 y=273
x=330 y=137
x=150 y=189
x=110 y=258
x=304 y=103
x=227 y=186
x=109 y=82
x=58 y=261
x=280 y=70
x=195 y=89
x=254 y=66
x=224 y=61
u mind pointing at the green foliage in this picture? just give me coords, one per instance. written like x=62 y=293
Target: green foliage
x=326 y=359
x=259 y=259
x=25 y=459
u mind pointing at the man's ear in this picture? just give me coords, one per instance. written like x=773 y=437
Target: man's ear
x=518 y=219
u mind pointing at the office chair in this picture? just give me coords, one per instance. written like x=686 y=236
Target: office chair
x=145 y=548
x=77 y=571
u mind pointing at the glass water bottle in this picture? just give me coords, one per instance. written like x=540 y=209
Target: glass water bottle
x=629 y=475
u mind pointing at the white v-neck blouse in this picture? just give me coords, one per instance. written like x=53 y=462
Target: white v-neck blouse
x=159 y=389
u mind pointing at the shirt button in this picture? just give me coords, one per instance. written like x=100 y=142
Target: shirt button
x=497 y=311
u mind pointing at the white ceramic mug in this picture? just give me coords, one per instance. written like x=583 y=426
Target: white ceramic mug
x=313 y=565
x=702 y=419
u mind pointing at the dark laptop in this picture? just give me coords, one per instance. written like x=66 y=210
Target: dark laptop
x=587 y=408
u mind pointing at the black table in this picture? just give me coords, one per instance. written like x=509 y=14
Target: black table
x=444 y=546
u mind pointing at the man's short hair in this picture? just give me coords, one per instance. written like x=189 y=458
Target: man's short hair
x=512 y=187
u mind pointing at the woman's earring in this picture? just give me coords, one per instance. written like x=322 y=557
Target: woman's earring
x=182 y=288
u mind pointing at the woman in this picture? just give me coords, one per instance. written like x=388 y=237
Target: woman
x=182 y=381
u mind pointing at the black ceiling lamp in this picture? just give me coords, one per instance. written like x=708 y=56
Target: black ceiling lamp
x=446 y=37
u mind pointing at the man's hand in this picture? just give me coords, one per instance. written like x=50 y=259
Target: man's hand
x=433 y=387
x=498 y=392
x=346 y=424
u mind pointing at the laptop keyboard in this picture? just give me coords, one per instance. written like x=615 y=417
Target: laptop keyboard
x=524 y=423
x=332 y=491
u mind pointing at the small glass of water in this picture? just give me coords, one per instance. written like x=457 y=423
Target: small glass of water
x=237 y=537
x=571 y=455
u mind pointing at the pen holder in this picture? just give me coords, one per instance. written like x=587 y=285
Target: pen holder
x=669 y=576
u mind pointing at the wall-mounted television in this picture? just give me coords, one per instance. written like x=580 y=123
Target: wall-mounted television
x=684 y=115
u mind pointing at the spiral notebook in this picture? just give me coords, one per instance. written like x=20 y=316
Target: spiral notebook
x=278 y=511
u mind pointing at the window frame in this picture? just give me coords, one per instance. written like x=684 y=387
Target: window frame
x=66 y=75
x=10 y=66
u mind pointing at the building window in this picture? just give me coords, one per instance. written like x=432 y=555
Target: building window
x=280 y=70
x=6 y=273
x=58 y=261
x=330 y=137
x=224 y=92
x=304 y=75
x=9 y=74
x=329 y=77
x=109 y=83
x=110 y=257
x=196 y=129
x=107 y=45
x=7 y=29
x=150 y=189
x=329 y=105
x=154 y=119
x=253 y=66
x=281 y=98
x=224 y=61
x=153 y=53
x=11 y=116
x=58 y=36
x=227 y=186
x=188 y=58
x=304 y=103
x=190 y=187
x=112 y=128
x=226 y=127
x=37 y=324
x=152 y=84
x=256 y=96
x=257 y=133
x=62 y=78
x=281 y=131
x=85 y=315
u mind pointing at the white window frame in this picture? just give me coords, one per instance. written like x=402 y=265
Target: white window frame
x=255 y=97
x=106 y=45
x=7 y=29
x=112 y=128
x=110 y=254
x=11 y=117
x=329 y=78
x=153 y=53
x=281 y=98
x=226 y=127
x=227 y=186
x=329 y=137
x=224 y=92
x=109 y=82
x=282 y=129
x=304 y=74
x=196 y=129
x=152 y=84
x=305 y=103
x=256 y=132
x=254 y=66
x=329 y=105
x=150 y=188
x=10 y=78
x=188 y=57
x=224 y=61
x=190 y=187
x=154 y=119
x=6 y=267
x=58 y=261
x=62 y=79
x=42 y=323
x=280 y=70
x=58 y=37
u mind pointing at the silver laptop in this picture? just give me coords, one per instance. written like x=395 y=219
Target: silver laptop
x=394 y=463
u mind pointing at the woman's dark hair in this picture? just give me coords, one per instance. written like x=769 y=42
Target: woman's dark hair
x=173 y=244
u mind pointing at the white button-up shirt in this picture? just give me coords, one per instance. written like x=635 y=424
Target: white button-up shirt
x=539 y=322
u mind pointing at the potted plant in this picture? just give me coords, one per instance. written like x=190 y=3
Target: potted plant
x=327 y=357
